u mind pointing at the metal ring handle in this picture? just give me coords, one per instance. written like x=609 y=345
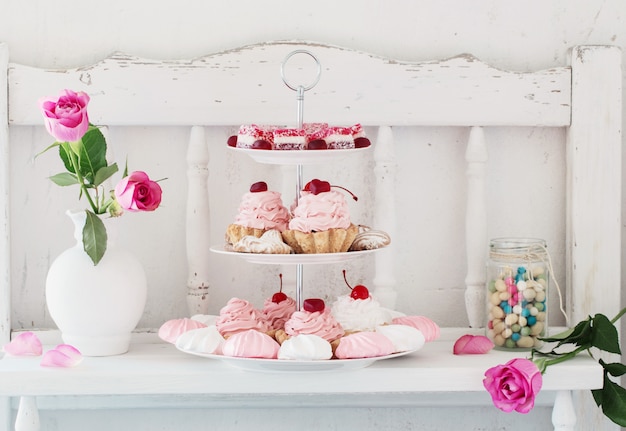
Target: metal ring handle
x=291 y=54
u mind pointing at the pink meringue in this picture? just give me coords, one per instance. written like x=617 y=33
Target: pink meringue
x=251 y=344
x=172 y=329
x=24 y=344
x=429 y=328
x=364 y=345
x=62 y=356
x=472 y=345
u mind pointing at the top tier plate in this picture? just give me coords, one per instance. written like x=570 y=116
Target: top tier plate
x=298 y=157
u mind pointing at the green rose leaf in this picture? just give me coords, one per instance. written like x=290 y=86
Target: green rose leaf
x=613 y=401
x=104 y=174
x=580 y=335
x=614 y=368
x=604 y=334
x=64 y=179
x=64 y=154
x=92 y=154
x=94 y=237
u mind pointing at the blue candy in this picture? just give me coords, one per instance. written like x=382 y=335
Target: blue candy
x=531 y=320
x=525 y=312
x=520 y=274
x=516 y=336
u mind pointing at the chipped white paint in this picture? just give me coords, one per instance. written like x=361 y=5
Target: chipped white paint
x=594 y=159
x=241 y=86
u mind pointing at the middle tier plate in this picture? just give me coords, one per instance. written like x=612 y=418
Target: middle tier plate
x=283 y=259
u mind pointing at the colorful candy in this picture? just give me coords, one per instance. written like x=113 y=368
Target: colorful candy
x=516 y=306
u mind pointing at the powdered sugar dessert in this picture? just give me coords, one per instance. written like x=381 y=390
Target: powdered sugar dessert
x=404 y=338
x=305 y=347
x=251 y=344
x=174 y=328
x=427 y=327
x=260 y=210
x=270 y=242
x=314 y=319
x=370 y=239
x=239 y=315
x=201 y=340
x=278 y=309
x=364 y=345
x=359 y=311
x=321 y=221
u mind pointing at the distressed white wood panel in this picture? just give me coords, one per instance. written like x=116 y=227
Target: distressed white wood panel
x=5 y=227
x=385 y=215
x=594 y=153
x=244 y=85
x=476 y=227
x=198 y=223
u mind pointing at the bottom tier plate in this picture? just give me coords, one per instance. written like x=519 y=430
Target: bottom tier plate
x=280 y=365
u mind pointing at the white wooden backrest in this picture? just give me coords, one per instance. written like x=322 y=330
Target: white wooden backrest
x=241 y=86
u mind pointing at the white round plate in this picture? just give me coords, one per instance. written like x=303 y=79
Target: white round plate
x=284 y=365
x=298 y=157
x=285 y=259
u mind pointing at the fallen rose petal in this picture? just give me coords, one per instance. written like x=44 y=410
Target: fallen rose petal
x=62 y=356
x=24 y=344
x=472 y=345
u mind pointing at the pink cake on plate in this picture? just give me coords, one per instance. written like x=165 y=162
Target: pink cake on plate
x=289 y=139
x=251 y=136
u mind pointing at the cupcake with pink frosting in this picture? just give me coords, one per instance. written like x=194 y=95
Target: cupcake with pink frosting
x=278 y=308
x=321 y=221
x=314 y=318
x=239 y=315
x=260 y=210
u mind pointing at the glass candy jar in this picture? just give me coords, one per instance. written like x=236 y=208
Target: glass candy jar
x=517 y=288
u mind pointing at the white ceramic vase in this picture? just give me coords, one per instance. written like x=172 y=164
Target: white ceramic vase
x=96 y=307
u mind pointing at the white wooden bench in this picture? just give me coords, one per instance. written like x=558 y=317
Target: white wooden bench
x=583 y=97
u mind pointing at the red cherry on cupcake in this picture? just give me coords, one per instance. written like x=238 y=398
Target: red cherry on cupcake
x=279 y=296
x=317 y=144
x=261 y=144
x=362 y=143
x=232 y=141
x=359 y=291
x=260 y=186
x=317 y=186
x=313 y=304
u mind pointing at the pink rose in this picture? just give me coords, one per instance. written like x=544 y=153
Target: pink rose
x=137 y=192
x=514 y=385
x=66 y=117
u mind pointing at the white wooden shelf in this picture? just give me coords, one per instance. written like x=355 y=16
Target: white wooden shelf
x=162 y=369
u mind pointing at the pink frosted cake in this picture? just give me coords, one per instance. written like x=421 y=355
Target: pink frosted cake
x=339 y=138
x=289 y=139
x=314 y=319
x=260 y=210
x=239 y=315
